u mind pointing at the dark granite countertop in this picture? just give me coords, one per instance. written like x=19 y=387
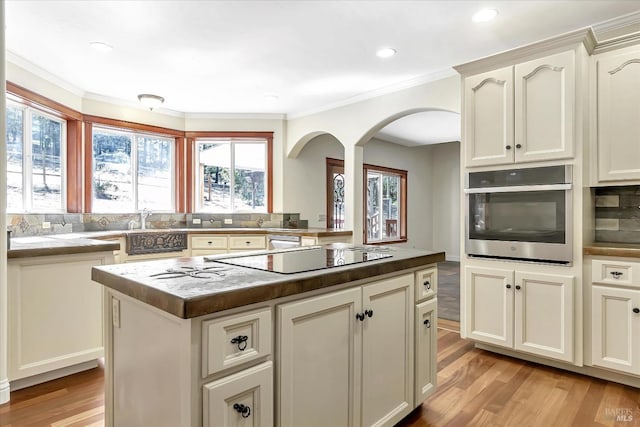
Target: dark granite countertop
x=630 y=250
x=188 y=297
x=24 y=247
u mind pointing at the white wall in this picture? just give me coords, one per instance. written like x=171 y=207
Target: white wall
x=445 y=198
x=307 y=178
x=417 y=162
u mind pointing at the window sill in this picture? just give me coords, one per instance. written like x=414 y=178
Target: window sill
x=386 y=242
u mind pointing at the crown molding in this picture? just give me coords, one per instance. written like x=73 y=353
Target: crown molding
x=235 y=116
x=615 y=24
x=544 y=47
x=407 y=84
x=43 y=74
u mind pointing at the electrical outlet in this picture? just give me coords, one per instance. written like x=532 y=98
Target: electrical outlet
x=115 y=312
x=228 y=221
x=197 y=221
x=46 y=224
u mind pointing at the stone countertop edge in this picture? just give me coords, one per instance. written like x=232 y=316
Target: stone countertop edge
x=311 y=232
x=274 y=286
x=628 y=250
x=53 y=246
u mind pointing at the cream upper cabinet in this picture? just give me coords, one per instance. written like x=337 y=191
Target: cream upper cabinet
x=521 y=113
x=544 y=108
x=346 y=358
x=525 y=311
x=618 y=115
x=488 y=118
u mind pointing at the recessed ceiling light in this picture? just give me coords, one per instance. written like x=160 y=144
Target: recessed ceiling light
x=484 y=15
x=386 y=52
x=101 y=46
x=271 y=97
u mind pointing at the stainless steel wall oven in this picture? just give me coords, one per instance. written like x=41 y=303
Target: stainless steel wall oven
x=522 y=214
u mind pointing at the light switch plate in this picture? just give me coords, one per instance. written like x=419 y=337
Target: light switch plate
x=228 y=221
x=46 y=224
x=197 y=221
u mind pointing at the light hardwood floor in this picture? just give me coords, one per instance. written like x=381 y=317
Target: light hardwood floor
x=476 y=388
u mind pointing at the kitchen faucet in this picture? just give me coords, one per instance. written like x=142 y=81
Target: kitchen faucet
x=143 y=218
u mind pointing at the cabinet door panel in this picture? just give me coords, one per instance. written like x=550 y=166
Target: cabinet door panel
x=489 y=305
x=243 y=399
x=319 y=360
x=544 y=315
x=426 y=345
x=616 y=329
x=387 y=351
x=488 y=99
x=618 y=115
x=544 y=108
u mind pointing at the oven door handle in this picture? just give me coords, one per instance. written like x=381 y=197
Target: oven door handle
x=518 y=188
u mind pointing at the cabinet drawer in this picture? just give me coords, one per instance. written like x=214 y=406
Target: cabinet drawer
x=426 y=283
x=234 y=340
x=242 y=399
x=247 y=242
x=614 y=272
x=209 y=242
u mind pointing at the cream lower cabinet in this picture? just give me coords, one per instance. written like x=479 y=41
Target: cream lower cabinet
x=346 y=358
x=54 y=313
x=615 y=325
x=426 y=341
x=243 y=399
x=524 y=311
x=208 y=244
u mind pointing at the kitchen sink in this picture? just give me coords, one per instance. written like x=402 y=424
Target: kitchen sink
x=156 y=242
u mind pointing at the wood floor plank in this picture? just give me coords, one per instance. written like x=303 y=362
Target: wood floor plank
x=476 y=388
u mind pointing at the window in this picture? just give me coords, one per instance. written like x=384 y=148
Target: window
x=335 y=193
x=231 y=175
x=132 y=171
x=385 y=204
x=35 y=160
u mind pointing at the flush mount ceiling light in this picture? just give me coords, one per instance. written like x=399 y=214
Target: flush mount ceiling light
x=271 y=97
x=385 y=52
x=101 y=46
x=150 y=101
x=484 y=15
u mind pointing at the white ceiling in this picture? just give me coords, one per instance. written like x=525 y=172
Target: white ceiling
x=225 y=56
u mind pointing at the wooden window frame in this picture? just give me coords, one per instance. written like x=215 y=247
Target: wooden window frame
x=178 y=136
x=191 y=139
x=73 y=141
x=403 y=203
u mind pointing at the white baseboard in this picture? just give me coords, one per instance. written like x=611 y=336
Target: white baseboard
x=4 y=391
x=52 y=375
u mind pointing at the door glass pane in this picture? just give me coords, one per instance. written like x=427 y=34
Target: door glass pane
x=154 y=173
x=46 y=146
x=15 y=141
x=112 y=180
x=249 y=177
x=214 y=172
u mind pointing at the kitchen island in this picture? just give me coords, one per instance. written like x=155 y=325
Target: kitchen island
x=349 y=340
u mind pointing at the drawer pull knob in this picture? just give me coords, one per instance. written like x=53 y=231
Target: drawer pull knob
x=636 y=310
x=427 y=284
x=427 y=323
x=616 y=274
x=518 y=145
x=518 y=287
x=508 y=286
x=242 y=409
x=360 y=316
x=369 y=313
x=247 y=242
x=240 y=341
x=210 y=243
x=508 y=147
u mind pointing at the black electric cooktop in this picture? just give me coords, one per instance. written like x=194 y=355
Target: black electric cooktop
x=302 y=260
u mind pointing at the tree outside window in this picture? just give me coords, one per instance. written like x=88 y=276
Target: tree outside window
x=231 y=175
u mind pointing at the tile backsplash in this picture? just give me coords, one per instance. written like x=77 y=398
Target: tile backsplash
x=32 y=224
x=618 y=214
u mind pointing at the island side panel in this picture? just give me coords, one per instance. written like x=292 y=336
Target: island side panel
x=150 y=366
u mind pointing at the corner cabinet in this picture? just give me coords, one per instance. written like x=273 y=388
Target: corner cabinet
x=617 y=114
x=346 y=358
x=527 y=312
x=521 y=113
